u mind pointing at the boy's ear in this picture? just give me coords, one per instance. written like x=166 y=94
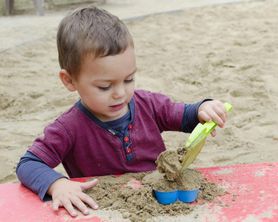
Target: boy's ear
x=67 y=80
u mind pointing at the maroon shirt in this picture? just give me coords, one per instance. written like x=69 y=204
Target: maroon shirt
x=87 y=149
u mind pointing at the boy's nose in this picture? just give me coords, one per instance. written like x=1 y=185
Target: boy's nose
x=118 y=92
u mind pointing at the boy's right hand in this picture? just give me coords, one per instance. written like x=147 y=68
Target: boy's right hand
x=68 y=193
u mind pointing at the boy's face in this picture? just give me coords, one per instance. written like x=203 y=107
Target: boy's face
x=106 y=85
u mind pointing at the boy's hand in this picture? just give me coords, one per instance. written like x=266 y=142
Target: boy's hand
x=68 y=193
x=213 y=110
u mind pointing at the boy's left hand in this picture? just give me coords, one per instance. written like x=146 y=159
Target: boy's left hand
x=212 y=110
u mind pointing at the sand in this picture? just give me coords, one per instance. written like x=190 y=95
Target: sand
x=226 y=52
x=173 y=175
x=132 y=196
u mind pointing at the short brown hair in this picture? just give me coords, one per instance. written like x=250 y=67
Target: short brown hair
x=90 y=31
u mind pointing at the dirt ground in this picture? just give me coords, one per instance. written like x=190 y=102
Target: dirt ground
x=227 y=52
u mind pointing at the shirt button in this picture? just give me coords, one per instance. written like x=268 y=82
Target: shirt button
x=130 y=126
x=126 y=139
x=128 y=150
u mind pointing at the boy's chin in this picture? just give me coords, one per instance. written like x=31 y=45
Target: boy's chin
x=117 y=114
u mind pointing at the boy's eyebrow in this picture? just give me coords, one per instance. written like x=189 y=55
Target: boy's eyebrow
x=132 y=72
x=104 y=80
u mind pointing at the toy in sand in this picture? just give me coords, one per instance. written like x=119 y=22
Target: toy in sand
x=132 y=194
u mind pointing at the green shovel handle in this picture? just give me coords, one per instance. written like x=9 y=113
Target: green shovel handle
x=203 y=130
x=209 y=126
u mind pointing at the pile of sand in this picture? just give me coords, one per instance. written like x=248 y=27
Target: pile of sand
x=132 y=196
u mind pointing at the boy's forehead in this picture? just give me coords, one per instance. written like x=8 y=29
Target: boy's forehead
x=104 y=67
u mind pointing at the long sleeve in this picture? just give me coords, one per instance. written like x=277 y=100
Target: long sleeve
x=36 y=175
x=190 y=116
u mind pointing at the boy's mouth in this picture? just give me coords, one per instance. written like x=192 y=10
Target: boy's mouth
x=117 y=107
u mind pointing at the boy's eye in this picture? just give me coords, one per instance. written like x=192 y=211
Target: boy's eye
x=129 y=80
x=104 y=88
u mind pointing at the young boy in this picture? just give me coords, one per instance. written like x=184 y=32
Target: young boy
x=113 y=128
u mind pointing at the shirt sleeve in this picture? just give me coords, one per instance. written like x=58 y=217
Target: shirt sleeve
x=174 y=116
x=53 y=145
x=167 y=113
x=190 y=116
x=36 y=175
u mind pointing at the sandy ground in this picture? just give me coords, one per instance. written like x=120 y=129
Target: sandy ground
x=223 y=51
x=226 y=52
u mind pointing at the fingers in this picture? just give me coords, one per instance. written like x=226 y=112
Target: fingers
x=204 y=116
x=69 y=207
x=212 y=115
x=80 y=205
x=213 y=133
x=214 y=111
x=85 y=198
x=72 y=196
x=216 y=117
x=88 y=200
x=55 y=204
x=89 y=184
x=221 y=112
x=78 y=201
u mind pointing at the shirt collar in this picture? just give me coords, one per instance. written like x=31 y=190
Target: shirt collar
x=88 y=113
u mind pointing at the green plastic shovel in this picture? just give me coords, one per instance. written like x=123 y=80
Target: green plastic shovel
x=197 y=139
